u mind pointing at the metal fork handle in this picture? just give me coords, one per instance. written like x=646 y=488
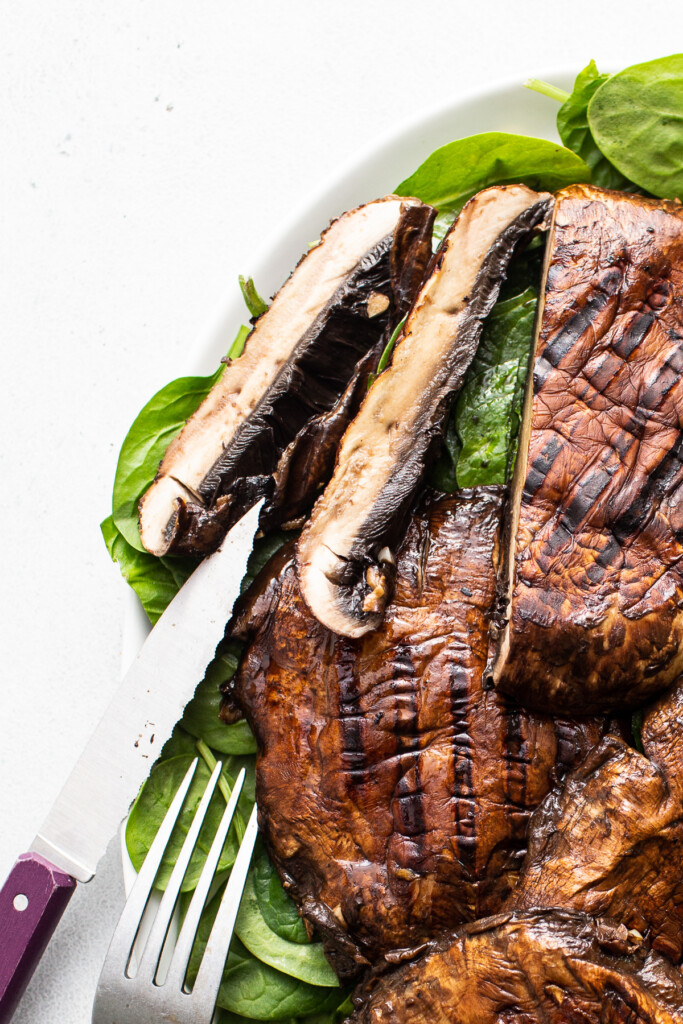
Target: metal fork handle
x=32 y=901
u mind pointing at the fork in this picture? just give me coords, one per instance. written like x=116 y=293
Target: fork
x=128 y=996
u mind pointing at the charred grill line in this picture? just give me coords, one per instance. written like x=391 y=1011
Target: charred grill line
x=463 y=787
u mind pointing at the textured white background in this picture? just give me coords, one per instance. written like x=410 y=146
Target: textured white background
x=147 y=149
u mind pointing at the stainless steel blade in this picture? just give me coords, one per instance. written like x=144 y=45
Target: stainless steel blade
x=147 y=705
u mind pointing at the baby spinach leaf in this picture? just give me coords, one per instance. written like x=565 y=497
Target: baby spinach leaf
x=455 y=172
x=636 y=118
x=574 y=130
x=201 y=714
x=153 y=429
x=305 y=961
x=237 y=347
x=156 y=581
x=253 y=989
x=149 y=810
x=255 y=304
x=179 y=744
x=488 y=409
x=277 y=908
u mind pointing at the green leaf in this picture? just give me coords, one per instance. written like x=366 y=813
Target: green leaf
x=252 y=989
x=574 y=130
x=277 y=908
x=255 y=304
x=454 y=173
x=487 y=412
x=306 y=962
x=149 y=811
x=156 y=581
x=386 y=353
x=201 y=714
x=636 y=118
x=237 y=347
x=155 y=426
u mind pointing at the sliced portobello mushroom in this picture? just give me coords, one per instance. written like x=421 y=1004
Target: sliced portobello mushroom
x=345 y=558
x=338 y=304
x=590 y=596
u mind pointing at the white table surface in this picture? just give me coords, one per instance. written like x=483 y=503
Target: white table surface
x=147 y=149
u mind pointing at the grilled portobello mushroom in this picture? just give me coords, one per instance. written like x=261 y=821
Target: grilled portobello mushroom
x=590 y=610
x=346 y=554
x=542 y=967
x=609 y=841
x=325 y=328
x=394 y=791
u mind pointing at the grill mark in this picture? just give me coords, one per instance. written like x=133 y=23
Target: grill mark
x=605 y=371
x=408 y=801
x=410 y=798
x=353 y=755
x=587 y=494
x=577 y=325
x=516 y=765
x=465 y=824
x=660 y=482
x=541 y=466
x=668 y=375
x=634 y=334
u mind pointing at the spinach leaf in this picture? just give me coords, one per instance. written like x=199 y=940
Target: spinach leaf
x=636 y=118
x=179 y=743
x=148 y=811
x=488 y=409
x=253 y=989
x=254 y=303
x=153 y=429
x=277 y=908
x=574 y=130
x=201 y=714
x=237 y=347
x=455 y=172
x=156 y=581
x=305 y=961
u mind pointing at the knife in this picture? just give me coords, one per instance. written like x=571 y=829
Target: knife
x=117 y=760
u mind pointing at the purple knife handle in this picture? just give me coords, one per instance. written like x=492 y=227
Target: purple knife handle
x=32 y=901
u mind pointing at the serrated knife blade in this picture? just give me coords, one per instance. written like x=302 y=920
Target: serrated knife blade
x=117 y=759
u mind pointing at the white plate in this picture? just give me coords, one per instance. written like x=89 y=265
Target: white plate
x=507 y=107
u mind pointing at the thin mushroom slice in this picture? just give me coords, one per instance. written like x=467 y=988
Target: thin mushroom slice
x=338 y=304
x=345 y=558
x=590 y=594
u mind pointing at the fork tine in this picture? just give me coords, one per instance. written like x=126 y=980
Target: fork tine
x=149 y=960
x=210 y=972
x=126 y=932
x=183 y=947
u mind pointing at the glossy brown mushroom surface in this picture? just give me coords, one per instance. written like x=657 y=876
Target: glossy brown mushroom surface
x=609 y=841
x=590 y=613
x=542 y=967
x=394 y=791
